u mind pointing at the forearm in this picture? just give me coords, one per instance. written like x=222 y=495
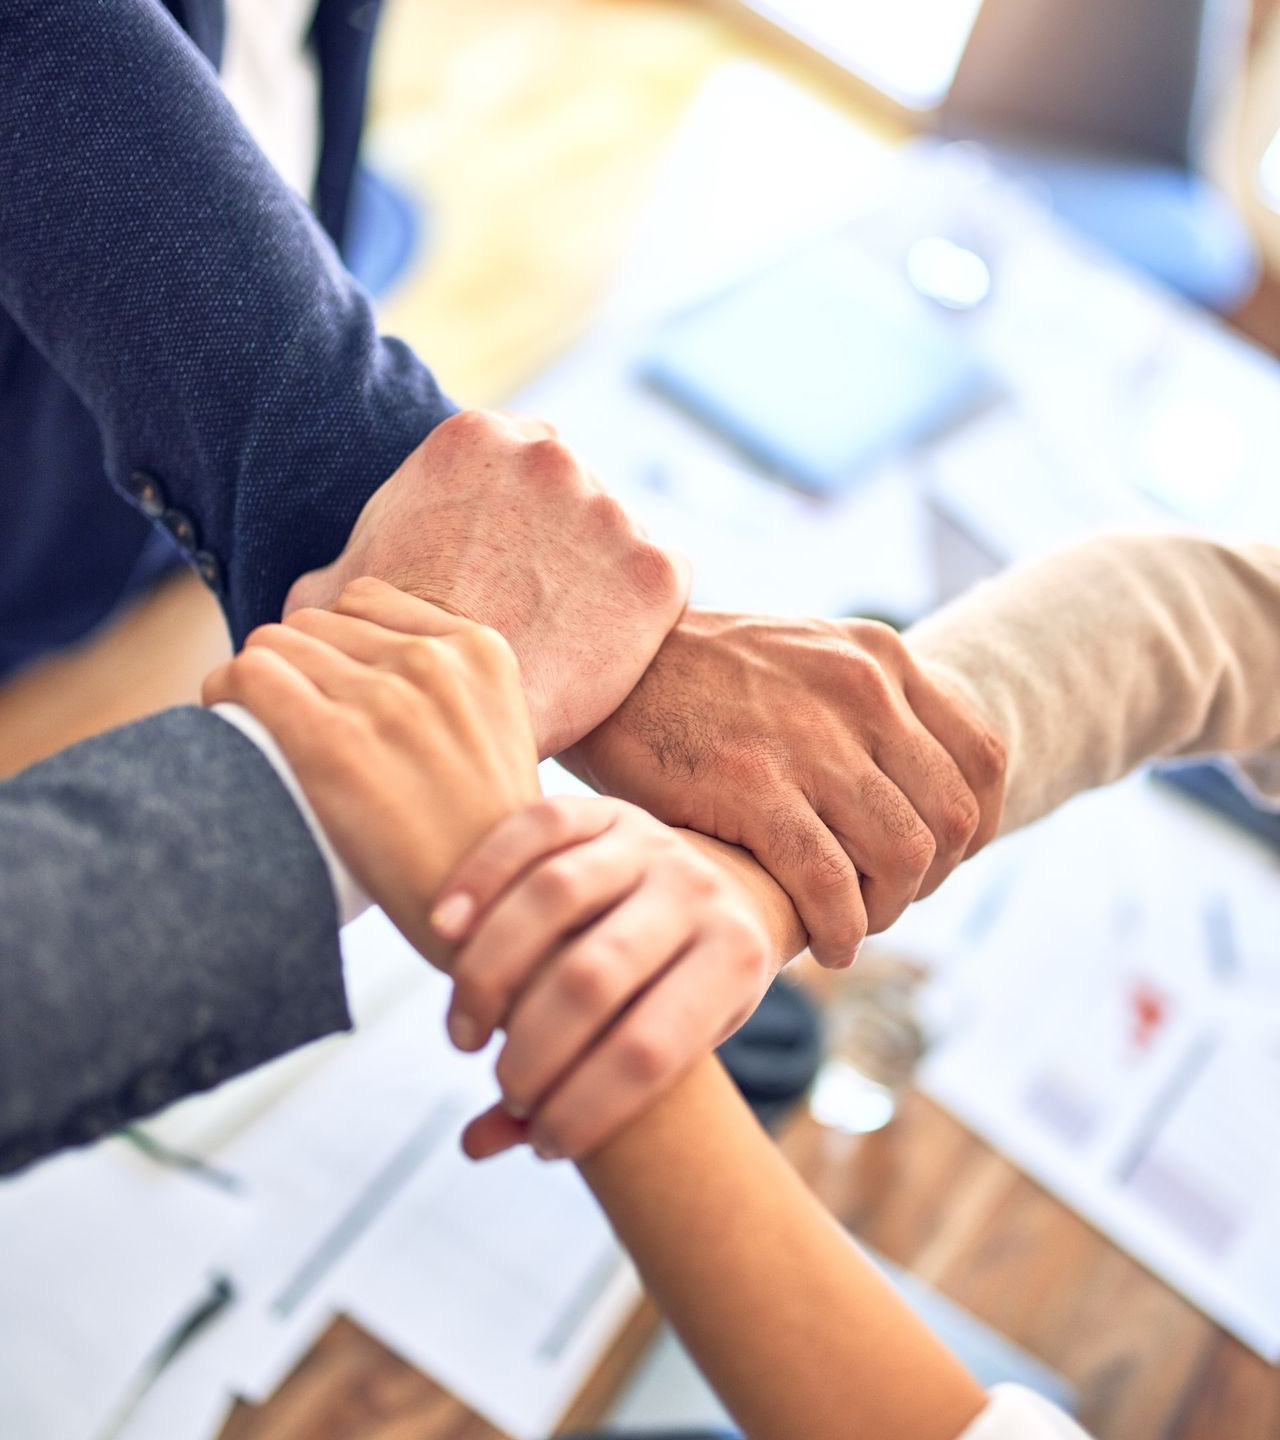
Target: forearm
x=150 y=252
x=1120 y=650
x=1091 y=662
x=799 y=1334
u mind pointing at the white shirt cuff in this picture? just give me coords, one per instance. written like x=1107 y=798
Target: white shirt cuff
x=347 y=892
x=1013 y=1413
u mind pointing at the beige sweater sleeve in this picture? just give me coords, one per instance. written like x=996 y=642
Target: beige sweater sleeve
x=1122 y=649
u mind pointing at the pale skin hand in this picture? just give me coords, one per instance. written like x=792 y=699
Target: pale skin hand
x=595 y=908
x=390 y=745
x=629 y=954
x=816 y=746
x=855 y=778
x=407 y=729
x=492 y=518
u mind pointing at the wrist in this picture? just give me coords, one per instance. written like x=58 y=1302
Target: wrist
x=349 y=897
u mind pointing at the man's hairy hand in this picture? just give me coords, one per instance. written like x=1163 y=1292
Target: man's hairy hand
x=854 y=778
x=492 y=518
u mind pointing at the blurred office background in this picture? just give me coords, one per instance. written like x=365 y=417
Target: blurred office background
x=1064 y=215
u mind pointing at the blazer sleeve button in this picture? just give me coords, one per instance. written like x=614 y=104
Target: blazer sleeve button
x=182 y=527
x=149 y=493
x=210 y=571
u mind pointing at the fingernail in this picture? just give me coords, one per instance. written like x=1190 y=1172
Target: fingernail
x=464 y=1032
x=544 y=1150
x=516 y=1110
x=452 y=916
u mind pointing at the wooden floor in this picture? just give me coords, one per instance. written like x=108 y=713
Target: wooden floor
x=533 y=127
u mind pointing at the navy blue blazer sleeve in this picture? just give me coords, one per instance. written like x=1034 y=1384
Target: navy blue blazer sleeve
x=148 y=249
x=166 y=921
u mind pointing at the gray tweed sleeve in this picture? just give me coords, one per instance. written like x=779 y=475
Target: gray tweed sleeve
x=166 y=922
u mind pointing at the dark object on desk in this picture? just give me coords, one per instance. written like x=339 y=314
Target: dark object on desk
x=819 y=366
x=1106 y=107
x=775 y=1056
x=219 y=1298
x=1211 y=785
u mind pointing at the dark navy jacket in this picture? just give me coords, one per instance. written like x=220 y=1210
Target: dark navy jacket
x=174 y=321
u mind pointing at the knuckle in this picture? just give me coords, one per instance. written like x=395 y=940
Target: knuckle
x=306 y=617
x=466 y=425
x=584 y=981
x=916 y=848
x=865 y=676
x=837 y=925
x=390 y=703
x=552 y=463
x=754 y=767
x=880 y=642
x=550 y=824
x=834 y=942
x=959 y=821
x=268 y=634
x=607 y=510
x=884 y=638
x=251 y=666
x=419 y=659
x=828 y=870
x=557 y=885
x=798 y=840
x=653 y=572
x=555 y=818
x=361 y=588
x=749 y=949
x=645 y=1058
x=489 y=650
x=991 y=759
x=480 y=995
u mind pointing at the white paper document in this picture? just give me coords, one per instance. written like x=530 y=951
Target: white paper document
x=350 y=1195
x=500 y=1280
x=104 y=1257
x=1117 y=1034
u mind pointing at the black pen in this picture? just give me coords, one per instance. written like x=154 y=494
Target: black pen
x=218 y=1298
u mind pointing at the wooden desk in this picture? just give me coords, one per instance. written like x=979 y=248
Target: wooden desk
x=929 y=1195
x=533 y=125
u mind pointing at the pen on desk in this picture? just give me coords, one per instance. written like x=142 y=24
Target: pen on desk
x=172 y=1159
x=218 y=1298
x=382 y=1188
x=1195 y=1060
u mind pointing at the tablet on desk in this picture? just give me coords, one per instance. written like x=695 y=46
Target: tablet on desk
x=820 y=366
